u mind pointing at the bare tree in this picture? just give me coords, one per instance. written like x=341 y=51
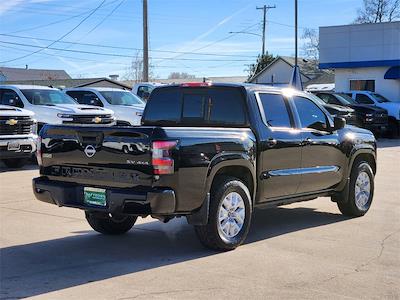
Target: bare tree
x=135 y=70
x=180 y=75
x=310 y=47
x=261 y=62
x=377 y=11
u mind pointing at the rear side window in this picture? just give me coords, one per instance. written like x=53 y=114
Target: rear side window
x=10 y=97
x=329 y=98
x=196 y=107
x=275 y=110
x=363 y=99
x=83 y=97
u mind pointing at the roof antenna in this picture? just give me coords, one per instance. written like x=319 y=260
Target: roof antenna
x=26 y=67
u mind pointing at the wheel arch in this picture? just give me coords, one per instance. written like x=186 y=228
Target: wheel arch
x=367 y=155
x=240 y=167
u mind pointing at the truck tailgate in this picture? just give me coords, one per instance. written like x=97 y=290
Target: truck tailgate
x=100 y=156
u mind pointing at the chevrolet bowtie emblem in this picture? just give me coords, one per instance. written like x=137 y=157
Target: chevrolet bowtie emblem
x=11 y=122
x=97 y=120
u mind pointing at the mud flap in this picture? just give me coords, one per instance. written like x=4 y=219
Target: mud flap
x=200 y=216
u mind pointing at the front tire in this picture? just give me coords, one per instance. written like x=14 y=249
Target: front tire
x=110 y=225
x=361 y=191
x=229 y=216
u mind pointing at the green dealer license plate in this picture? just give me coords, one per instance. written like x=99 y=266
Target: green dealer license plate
x=94 y=196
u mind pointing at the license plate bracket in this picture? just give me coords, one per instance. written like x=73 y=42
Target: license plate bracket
x=95 y=196
x=13 y=146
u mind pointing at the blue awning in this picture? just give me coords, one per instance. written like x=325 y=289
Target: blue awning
x=393 y=73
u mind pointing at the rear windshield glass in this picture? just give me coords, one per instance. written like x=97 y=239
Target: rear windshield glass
x=211 y=106
x=47 y=97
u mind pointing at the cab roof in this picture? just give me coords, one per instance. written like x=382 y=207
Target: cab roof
x=28 y=87
x=250 y=87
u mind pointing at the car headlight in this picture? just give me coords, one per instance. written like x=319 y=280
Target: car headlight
x=139 y=114
x=369 y=115
x=64 y=115
x=34 y=127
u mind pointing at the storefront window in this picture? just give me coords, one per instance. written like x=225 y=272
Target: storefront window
x=362 y=85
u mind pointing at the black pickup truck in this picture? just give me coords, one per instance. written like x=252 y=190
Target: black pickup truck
x=212 y=153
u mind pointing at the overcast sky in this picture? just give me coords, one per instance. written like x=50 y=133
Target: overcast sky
x=29 y=30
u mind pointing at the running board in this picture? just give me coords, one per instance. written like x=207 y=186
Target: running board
x=298 y=198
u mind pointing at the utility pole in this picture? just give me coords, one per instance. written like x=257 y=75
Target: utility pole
x=264 y=8
x=145 y=44
x=295 y=32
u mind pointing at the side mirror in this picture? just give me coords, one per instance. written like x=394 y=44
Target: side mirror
x=145 y=96
x=339 y=123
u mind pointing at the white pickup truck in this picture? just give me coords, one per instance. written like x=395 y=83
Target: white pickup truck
x=51 y=106
x=127 y=107
x=17 y=135
x=393 y=108
x=144 y=89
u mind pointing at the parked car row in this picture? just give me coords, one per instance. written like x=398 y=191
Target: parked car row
x=371 y=110
x=26 y=108
x=93 y=106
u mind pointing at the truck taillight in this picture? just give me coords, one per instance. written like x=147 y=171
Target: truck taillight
x=39 y=150
x=162 y=160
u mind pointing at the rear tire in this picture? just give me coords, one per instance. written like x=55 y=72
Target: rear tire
x=229 y=215
x=111 y=225
x=361 y=191
x=15 y=162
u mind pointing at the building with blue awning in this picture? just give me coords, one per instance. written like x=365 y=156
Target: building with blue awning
x=363 y=56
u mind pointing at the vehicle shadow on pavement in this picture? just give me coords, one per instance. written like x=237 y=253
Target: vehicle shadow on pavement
x=47 y=266
x=388 y=143
x=4 y=169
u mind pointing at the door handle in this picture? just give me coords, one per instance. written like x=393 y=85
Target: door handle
x=307 y=141
x=271 y=142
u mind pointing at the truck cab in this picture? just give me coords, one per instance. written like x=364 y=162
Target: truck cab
x=211 y=153
x=127 y=107
x=144 y=89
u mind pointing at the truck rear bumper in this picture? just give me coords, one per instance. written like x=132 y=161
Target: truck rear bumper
x=123 y=201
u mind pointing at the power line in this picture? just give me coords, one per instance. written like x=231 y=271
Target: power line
x=216 y=42
x=130 y=48
x=105 y=18
x=117 y=55
x=59 y=39
x=58 y=21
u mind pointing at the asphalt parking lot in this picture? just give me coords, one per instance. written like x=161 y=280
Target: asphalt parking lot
x=306 y=250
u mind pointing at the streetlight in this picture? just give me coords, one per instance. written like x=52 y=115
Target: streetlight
x=246 y=32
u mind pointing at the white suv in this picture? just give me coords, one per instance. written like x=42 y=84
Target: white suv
x=51 y=106
x=371 y=98
x=128 y=108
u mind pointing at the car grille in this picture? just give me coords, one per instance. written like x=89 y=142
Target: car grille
x=15 y=125
x=350 y=118
x=90 y=119
x=381 y=118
